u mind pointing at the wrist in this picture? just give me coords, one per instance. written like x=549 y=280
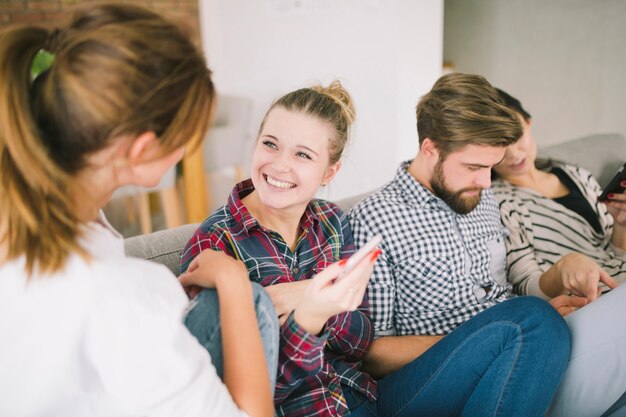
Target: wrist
x=311 y=323
x=233 y=277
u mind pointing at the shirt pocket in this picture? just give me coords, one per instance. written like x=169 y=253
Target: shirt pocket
x=427 y=286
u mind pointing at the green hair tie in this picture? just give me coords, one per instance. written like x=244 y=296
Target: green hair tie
x=41 y=63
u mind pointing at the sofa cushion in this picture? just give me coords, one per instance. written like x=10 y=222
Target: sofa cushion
x=163 y=246
x=601 y=154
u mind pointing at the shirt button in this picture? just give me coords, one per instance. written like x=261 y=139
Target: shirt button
x=295 y=270
x=332 y=375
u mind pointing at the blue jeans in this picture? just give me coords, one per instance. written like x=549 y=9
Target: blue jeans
x=203 y=321
x=506 y=361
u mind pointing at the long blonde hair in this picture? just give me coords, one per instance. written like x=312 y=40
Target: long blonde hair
x=117 y=70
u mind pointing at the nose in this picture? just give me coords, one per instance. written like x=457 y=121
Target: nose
x=512 y=153
x=483 y=179
x=281 y=163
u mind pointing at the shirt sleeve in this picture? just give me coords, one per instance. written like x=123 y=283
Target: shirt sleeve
x=381 y=290
x=203 y=240
x=147 y=362
x=301 y=355
x=524 y=271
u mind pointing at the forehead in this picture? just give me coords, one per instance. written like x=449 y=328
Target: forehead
x=297 y=128
x=477 y=155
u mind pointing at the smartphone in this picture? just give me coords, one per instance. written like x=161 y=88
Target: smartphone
x=614 y=186
x=358 y=256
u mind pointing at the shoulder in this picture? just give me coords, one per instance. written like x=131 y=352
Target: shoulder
x=387 y=202
x=578 y=173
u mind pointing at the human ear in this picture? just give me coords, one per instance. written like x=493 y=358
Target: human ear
x=143 y=148
x=429 y=150
x=331 y=171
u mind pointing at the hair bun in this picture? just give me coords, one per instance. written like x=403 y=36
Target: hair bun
x=340 y=95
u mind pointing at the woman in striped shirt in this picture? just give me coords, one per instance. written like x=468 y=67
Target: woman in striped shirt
x=562 y=239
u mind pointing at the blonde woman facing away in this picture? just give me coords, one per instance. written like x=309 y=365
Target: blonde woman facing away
x=110 y=100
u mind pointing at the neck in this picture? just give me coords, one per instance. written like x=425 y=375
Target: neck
x=283 y=221
x=418 y=169
x=90 y=197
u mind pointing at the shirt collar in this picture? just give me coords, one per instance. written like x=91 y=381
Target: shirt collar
x=242 y=216
x=412 y=189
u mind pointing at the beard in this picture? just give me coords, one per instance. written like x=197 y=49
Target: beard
x=454 y=199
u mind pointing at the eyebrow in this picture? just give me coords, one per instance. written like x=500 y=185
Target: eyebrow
x=470 y=164
x=297 y=146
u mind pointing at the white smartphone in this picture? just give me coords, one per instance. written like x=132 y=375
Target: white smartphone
x=360 y=254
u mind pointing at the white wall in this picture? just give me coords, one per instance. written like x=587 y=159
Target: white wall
x=564 y=59
x=386 y=52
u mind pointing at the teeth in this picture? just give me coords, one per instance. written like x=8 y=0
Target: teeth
x=280 y=184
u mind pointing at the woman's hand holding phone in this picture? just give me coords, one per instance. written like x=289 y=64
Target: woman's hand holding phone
x=336 y=289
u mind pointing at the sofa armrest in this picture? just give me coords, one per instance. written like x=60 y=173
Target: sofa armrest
x=163 y=246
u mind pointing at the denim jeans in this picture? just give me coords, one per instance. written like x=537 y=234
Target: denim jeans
x=203 y=321
x=506 y=361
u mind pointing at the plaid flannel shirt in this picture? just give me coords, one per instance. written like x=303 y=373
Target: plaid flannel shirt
x=313 y=370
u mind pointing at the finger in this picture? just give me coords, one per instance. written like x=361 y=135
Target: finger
x=577 y=302
x=193 y=291
x=187 y=279
x=591 y=285
x=607 y=279
x=329 y=273
x=195 y=263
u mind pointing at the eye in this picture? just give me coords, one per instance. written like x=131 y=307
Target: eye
x=474 y=169
x=303 y=155
x=270 y=144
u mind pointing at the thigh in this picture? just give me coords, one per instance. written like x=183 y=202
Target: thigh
x=595 y=377
x=493 y=362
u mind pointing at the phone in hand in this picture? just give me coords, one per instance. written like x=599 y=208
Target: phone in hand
x=614 y=186
x=359 y=255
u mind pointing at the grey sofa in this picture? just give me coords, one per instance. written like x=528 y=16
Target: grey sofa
x=601 y=154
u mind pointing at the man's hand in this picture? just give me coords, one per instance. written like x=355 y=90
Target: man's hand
x=566 y=304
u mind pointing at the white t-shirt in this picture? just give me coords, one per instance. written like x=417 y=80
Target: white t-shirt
x=102 y=338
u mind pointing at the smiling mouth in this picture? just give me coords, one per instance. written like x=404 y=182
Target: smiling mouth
x=274 y=182
x=519 y=164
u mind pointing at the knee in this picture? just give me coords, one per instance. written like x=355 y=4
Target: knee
x=545 y=319
x=266 y=314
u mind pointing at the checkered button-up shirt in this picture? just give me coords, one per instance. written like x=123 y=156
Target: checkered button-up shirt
x=313 y=371
x=438 y=268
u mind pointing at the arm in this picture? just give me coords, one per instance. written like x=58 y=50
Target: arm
x=573 y=272
x=387 y=354
x=524 y=271
x=302 y=347
x=245 y=369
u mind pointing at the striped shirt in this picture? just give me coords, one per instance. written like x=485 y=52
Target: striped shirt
x=438 y=268
x=543 y=230
x=313 y=371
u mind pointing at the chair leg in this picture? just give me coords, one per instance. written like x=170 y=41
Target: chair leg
x=171 y=207
x=145 y=218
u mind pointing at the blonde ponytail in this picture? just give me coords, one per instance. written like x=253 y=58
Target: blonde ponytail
x=117 y=70
x=37 y=218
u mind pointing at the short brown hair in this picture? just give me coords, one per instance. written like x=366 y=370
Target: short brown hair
x=464 y=109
